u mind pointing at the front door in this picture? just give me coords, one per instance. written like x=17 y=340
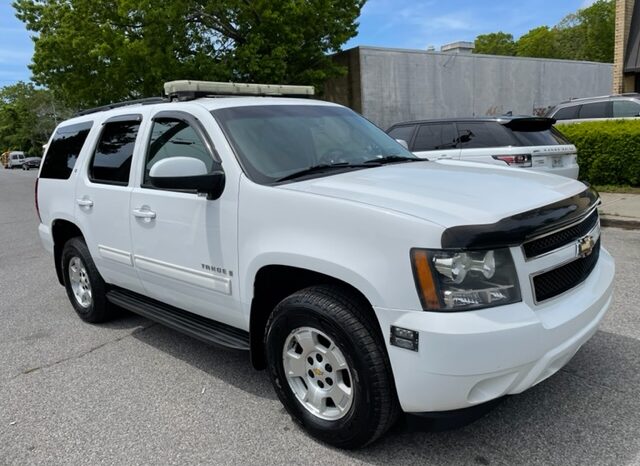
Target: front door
x=436 y=141
x=184 y=244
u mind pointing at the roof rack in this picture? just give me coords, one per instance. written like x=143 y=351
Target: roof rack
x=147 y=101
x=577 y=99
x=189 y=90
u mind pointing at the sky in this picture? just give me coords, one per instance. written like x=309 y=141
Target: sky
x=407 y=24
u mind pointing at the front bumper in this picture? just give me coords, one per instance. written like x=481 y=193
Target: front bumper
x=468 y=358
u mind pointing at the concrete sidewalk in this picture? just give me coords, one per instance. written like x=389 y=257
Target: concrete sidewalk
x=620 y=210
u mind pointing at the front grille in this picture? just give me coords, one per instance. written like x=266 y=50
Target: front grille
x=557 y=281
x=560 y=238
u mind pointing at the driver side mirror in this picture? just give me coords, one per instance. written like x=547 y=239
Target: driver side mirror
x=403 y=143
x=187 y=173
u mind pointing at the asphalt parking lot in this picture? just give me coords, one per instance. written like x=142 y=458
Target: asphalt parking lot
x=133 y=392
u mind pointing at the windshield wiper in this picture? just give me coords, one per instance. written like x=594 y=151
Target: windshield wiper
x=393 y=159
x=320 y=168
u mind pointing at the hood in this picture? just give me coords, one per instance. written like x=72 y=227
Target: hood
x=448 y=193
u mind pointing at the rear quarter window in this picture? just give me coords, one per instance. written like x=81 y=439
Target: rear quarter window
x=64 y=149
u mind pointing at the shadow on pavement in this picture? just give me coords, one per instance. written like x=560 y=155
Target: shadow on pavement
x=588 y=413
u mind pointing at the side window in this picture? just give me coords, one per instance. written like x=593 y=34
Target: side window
x=111 y=163
x=567 y=113
x=596 y=110
x=403 y=132
x=172 y=137
x=484 y=134
x=435 y=136
x=63 y=151
x=625 y=108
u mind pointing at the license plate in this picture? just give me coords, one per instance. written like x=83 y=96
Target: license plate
x=556 y=162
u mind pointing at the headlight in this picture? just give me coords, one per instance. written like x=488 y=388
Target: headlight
x=464 y=280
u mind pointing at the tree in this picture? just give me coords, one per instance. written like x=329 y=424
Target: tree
x=587 y=34
x=538 y=42
x=28 y=116
x=94 y=52
x=495 y=43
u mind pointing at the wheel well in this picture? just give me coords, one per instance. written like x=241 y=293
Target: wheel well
x=272 y=284
x=62 y=231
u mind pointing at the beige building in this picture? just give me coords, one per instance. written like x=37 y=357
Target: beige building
x=626 y=69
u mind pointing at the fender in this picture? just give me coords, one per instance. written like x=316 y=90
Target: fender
x=311 y=263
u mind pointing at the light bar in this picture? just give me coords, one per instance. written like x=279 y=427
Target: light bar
x=192 y=89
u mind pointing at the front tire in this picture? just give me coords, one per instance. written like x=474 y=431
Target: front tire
x=85 y=287
x=329 y=368
x=25 y=167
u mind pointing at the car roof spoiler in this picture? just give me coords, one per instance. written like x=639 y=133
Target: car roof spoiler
x=529 y=123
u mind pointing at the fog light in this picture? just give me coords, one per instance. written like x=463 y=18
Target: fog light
x=404 y=338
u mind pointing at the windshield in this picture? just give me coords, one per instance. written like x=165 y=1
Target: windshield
x=275 y=141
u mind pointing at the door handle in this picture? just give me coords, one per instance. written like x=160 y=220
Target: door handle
x=144 y=213
x=84 y=202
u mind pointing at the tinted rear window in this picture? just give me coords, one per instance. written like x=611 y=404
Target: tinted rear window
x=403 y=132
x=64 y=150
x=567 y=113
x=548 y=137
x=484 y=134
x=112 y=159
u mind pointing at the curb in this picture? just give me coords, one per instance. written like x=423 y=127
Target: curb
x=620 y=222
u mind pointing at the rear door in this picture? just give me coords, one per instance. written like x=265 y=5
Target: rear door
x=595 y=111
x=102 y=200
x=483 y=141
x=435 y=141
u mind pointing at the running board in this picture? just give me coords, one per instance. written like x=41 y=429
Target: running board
x=191 y=324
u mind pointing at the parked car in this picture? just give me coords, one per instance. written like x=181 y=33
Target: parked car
x=368 y=281
x=522 y=142
x=31 y=162
x=15 y=159
x=597 y=108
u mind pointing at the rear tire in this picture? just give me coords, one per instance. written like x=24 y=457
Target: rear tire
x=85 y=287
x=25 y=166
x=328 y=365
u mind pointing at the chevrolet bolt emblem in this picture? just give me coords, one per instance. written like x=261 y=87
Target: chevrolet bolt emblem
x=585 y=246
x=317 y=372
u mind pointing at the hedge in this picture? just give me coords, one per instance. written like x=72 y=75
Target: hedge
x=608 y=151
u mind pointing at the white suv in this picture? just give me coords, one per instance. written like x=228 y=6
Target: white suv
x=369 y=282
x=520 y=142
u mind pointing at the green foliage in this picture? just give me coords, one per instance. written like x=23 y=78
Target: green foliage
x=495 y=43
x=27 y=118
x=587 y=34
x=538 y=42
x=608 y=151
x=92 y=52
